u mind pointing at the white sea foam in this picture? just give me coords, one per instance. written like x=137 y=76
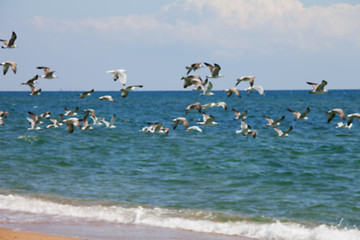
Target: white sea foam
x=176 y=219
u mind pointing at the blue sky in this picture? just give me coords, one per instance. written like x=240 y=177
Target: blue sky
x=283 y=43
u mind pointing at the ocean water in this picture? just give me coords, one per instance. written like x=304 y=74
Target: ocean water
x=304 y=186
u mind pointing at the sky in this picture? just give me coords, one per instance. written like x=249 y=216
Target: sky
x=283 y=43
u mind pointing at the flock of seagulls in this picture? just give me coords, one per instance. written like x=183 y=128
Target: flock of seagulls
x=71 y=120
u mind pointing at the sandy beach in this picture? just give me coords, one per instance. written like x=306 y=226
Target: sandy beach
x=7 y=234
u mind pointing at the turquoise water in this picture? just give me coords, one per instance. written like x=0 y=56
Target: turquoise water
x=310 y=177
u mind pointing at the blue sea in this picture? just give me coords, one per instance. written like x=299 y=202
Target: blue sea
x=303 y=186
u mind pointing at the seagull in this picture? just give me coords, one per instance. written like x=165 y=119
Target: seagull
x=351 y=117
x=218 y=104
x=34 y=121
x=230 y=91
x=3 y=115
x=281 y=133
x=188 y=80
x=71 y=123
x=10 y=43
x=199 y=84
x=257 y=88
x=208 y=120
x=300 y=116
x=107 y=97
x=335 y=111
x=71 y=113
x=273 y=123
x=251 y=80
x=111 y=123
x=158 y=128
x=47 y=73
x=96 y=119
x=45 y=114
x=193 y=67
x=194 y=106
x=238 y=115
x=207 y=90
x=31 y=81
x=343 y=125
x=246 y=130
x=86 y=125
x=125 y=91
x=34 y=91
x=119 y=73
x=214 y=70
x=8 y=64
x=86 y=94
x=194 y=128
x=318 y=88
x=183 y=120
x=55 y=123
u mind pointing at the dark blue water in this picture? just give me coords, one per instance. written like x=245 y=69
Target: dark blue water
x=310 y=177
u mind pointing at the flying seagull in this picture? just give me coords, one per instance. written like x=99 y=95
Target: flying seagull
x=318 y=88
x=107 y=97
x=188 y=80
x=71 y=123
x=351 y=117
x=335 y=111
x=111 y=123
x=8 y=64
x=246 y=130
x=86 y=93
x=194 y=106
x=231 y=91
x=193 y=67
x=208 y=120
x=207 y=90
x=119 y=73
x=10 y=43
x=183 y=120
x=31 y=81
x=71 y=113
x=273 y=123
x=211 y=105
x=47 y=73
x=34 y=91
x=125 y=91
x=281 y=133
x=300 y=116
x=214 y=70
x=255 y=88
x=34 y=121
x=250 y=79
x=238 y=115
x=194 y=128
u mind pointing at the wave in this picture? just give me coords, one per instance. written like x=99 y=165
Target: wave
x=199 y=221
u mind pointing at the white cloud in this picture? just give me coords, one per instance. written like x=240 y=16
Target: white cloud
x=229 y=25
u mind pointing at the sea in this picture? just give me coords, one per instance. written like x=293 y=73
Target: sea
x=302 y=186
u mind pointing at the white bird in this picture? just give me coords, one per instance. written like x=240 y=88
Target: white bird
x=125 y=91
x=45 y=114
x=194 y=106
x=281 y=133
x=86 y=124
x=71 y=113
x=250 y=79
x=208 y=120
x=193 y=67
x=183 y=120
x=238 y=115
x=211 y=105
x=34 y=121
x=207 y=90
x=10 y=43
x=246 y=130
x=273 y=123
x=214 y=70
x=8 y=64
x=194 y=128
x=230 y=91
x=107 y=97
x=55 y=122
x=343 y=125
x=157 y=128
x=111 y=123
x=260 y=89
x=318 y=88
x=335 y=111
x=3 y=115
x=71 y=123
x=31 y=81
x=86 y=93
x=199 y=84
x=119 y=73
x=47 y=73
x=300 y=116
x=352 y=116
x=34 y=91
x=188 y=80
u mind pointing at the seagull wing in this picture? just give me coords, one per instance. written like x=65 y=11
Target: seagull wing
x=314 y=85
x=12 y=39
